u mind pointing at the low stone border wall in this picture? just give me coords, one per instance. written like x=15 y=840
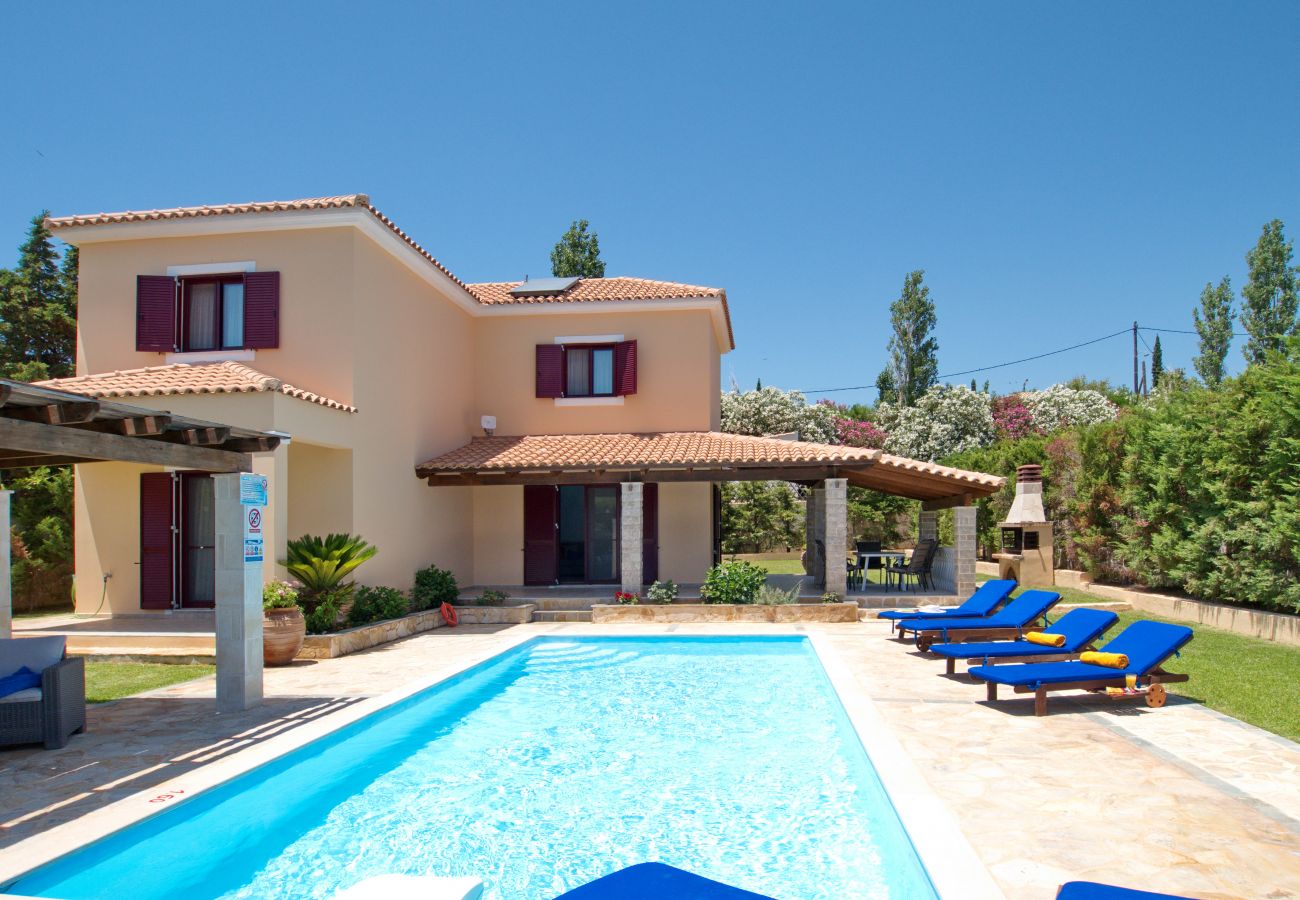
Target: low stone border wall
x=1256 y=623
x=341 y=643
x=725 y=612
x=496 y=615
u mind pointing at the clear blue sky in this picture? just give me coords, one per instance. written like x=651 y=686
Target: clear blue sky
x=1057 y=169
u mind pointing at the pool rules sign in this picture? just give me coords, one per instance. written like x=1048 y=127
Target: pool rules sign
x=252 y=501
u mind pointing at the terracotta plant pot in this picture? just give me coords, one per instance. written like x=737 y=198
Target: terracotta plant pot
x=282 y=634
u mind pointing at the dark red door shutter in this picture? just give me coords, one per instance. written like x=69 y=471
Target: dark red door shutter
x=650 y=533
x=261 y=310
x=157 y=540
x=539 y=533
x=625 y=368
x=155 y=313
x=550 y=370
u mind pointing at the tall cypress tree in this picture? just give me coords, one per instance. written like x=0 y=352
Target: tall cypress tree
x=1268 y=301
x=38 y=310
x=913 y=351
x=1157 y=363
x=1214 y=325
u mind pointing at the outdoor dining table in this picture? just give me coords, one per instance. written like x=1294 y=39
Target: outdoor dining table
x=877 y=554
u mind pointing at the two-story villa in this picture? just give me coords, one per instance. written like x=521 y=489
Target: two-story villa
x=554 y=431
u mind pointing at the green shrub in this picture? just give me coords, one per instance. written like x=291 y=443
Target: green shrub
x=830 y=597
x=375 y=604
x=662 y=591
x=734 y=581
x=433 y=587
x=771 y=595
x=323 y=615
x=279 y=595
x=491 y=597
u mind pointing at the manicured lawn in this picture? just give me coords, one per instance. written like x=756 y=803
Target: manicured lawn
x=112 y=680
x=1252 y=680
x=775 y=565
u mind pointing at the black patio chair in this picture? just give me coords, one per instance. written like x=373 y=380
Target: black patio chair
x=917 y=567
x=47 y=712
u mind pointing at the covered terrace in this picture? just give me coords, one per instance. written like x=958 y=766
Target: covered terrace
x=633 y=460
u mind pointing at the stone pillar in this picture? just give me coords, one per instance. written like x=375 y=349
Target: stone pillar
x=835 y=533
x=631 y=531
x=964 y=536
x=239 y=604
x=6 y=585
x=816 y=560
x=929 y=525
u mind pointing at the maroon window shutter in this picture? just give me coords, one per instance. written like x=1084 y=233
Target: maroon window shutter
x=550 y=370
x=650 y=533
x=539 y=533
x=155 y=313
x=625 y=368
x=261 y=310
x=157 y=540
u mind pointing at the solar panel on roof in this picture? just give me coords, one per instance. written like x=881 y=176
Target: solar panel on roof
x=543 y=286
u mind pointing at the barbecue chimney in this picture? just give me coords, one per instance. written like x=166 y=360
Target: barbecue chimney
x=1027 y=551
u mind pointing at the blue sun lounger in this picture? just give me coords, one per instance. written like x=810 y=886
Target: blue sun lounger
x=987 y=597
x=1091 y=890
x=1009 y=622
x=656 y=881
x=1146 y=644
x=1079 y=626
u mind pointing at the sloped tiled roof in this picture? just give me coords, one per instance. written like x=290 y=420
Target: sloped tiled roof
x=487 y=293
x=184 y=378
x=704 y=449
x=344 y=201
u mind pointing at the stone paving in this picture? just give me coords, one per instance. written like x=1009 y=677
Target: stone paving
x=1180 y=799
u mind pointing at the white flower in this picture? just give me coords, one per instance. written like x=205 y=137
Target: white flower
x=947 y=419
x=1064 y=407
x=774 y=411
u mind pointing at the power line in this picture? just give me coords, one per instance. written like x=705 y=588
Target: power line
x=1184 y=331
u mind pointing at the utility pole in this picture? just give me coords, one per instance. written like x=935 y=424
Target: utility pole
x=1135 y=359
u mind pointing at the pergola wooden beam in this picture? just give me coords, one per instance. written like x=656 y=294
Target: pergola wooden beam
x=54 y=413
x=138 y=426
x=38 y=440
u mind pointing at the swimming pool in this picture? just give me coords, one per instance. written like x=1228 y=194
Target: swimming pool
x=541 y=769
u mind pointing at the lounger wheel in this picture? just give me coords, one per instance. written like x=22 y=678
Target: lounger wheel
x=923 y=644
x=1156 y=696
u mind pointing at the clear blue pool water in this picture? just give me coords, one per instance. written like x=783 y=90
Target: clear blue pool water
x=540 y=770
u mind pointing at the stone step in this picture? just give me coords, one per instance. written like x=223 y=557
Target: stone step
x=562 y=615
x=557 y=604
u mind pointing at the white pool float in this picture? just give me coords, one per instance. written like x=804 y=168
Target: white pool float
x=414 y=887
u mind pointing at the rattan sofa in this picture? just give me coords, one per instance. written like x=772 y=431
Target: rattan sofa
x=53 y=712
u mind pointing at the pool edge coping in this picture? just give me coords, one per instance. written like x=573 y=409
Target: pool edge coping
x=949 y=859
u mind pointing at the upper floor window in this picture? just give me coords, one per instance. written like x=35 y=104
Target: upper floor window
x=212 y=313
x=586 y=370
x=207 y=312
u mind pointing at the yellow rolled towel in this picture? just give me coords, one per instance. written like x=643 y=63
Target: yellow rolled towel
x=1109 y=660
x=1047 y=640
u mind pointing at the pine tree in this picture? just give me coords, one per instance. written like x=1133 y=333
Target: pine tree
x=38 y=310
x=913 y=351
x=1268 y=301
x=1214 y=325
x=577 y=254
x=1157 y=363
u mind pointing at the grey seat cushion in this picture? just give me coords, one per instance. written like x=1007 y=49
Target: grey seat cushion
x=36 y=653
x=27 y=695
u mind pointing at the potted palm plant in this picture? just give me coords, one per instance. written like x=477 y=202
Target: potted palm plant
x=322 y=566
x=283 y=627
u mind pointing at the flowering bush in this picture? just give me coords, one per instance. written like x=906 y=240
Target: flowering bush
x=1012 y=418
x=662 y=591
x=623 y=598
x=770 y=410
x=1065 y=407
x=280 y=594
x=854 y=433
x=947 y=419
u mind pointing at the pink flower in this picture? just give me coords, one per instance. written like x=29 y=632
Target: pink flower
x=854 y=433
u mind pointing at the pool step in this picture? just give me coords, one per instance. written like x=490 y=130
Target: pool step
x=562 y=615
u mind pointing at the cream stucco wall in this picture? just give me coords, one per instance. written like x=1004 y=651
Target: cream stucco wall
x=685 y=531
x=677 y=369
x=361 y=328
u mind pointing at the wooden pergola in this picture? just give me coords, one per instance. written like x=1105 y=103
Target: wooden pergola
x=44 y=427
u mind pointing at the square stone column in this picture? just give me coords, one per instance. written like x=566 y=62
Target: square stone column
x=929 y=525
x=964 y=535
x=6 y=584
x=631 y=530
x=239 y=604
x=835 y=533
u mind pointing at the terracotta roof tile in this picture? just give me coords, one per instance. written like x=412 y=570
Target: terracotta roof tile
x=183 y=378
x=674 y=449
